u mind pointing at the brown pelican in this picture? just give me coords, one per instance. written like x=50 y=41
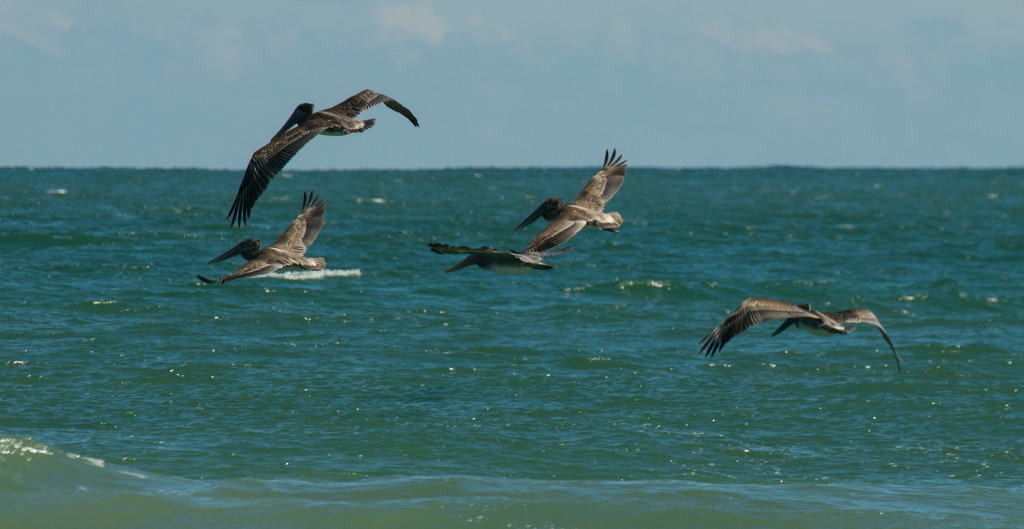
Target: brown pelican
x=507 y=263
x=756 y=310
x=587 y=209
x=288 y=250
x=338 y=120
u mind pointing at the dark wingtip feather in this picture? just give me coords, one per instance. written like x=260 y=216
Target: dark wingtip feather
x=239 y=212
x=310 y=200
x=613 y=160
x=710 y=345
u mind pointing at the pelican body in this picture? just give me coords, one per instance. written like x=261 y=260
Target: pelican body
x=757 y=310
x=505 y=263
x=586 y=210
x=289 y=250
x=302 y=126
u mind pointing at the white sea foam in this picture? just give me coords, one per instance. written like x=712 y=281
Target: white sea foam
x=372 y=200
x=308 y=275
x=10 y=445
x=90 y=460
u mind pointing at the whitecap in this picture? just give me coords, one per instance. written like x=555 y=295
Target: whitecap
x=308 y=275
x=372 y=200
x=10 y=445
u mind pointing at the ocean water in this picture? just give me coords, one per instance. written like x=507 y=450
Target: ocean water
x=383 y=392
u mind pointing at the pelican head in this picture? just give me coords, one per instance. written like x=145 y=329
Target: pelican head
x=247 y=249
x=300 y=114
x=548 y=209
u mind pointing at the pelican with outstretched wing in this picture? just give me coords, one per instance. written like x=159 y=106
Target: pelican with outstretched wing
x=289 y=250
x=757 y=310
x=586 y=210
x=486 y=257
x=301 y=127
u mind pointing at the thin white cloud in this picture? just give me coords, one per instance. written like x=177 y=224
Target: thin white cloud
x=781 y=40
x=482 y=29
x=55 y=20
x=418 y=22
x=786 y=40
x=40 y=30
x=906 y=72
x=224 y=50
x=622 y=36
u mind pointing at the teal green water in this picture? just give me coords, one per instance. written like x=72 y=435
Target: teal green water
x=383 y=392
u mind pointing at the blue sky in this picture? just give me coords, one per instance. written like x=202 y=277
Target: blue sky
x=526 y=83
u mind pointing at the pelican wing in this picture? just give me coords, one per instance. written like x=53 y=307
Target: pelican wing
x=272 y=157
x=301 y=233
x=488 y=257
x=267 y=161
x=751 y=312
x=557 y=232
x=603 y=185
x=506 y=260
x=442 y=248
x=476 y=255
x=535 y=257
x=544 y=254
x=469 y=261
x=859 y=315
x=358 y=103
x=255 y=267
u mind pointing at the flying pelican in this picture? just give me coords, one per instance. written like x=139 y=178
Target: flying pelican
x=288 y=250
x=486 y=257
x=756 y=310
x=338 y=120
x=587 y=209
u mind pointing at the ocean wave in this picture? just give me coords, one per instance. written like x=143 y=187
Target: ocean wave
x=625 y=285
x=45 y=487
x=26 y=464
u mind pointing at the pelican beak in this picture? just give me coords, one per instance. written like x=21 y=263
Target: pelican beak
x=546 y=207
x=300 y=114
x=237 y=250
